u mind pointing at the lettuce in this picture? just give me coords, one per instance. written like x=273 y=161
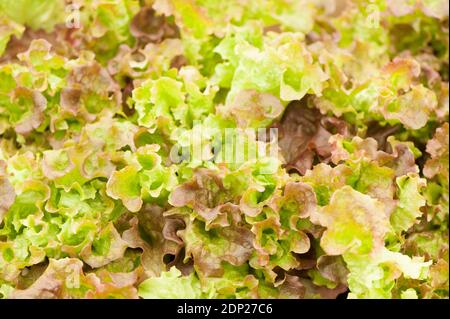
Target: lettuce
x=224 y=149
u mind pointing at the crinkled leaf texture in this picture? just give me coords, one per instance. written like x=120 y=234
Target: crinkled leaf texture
x=224 y=149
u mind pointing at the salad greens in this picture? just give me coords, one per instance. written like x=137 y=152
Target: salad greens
x=224 y=149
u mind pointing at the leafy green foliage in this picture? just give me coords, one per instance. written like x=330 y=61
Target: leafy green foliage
x=137 y=158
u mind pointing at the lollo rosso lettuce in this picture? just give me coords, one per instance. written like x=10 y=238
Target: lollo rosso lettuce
x=224 y=149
